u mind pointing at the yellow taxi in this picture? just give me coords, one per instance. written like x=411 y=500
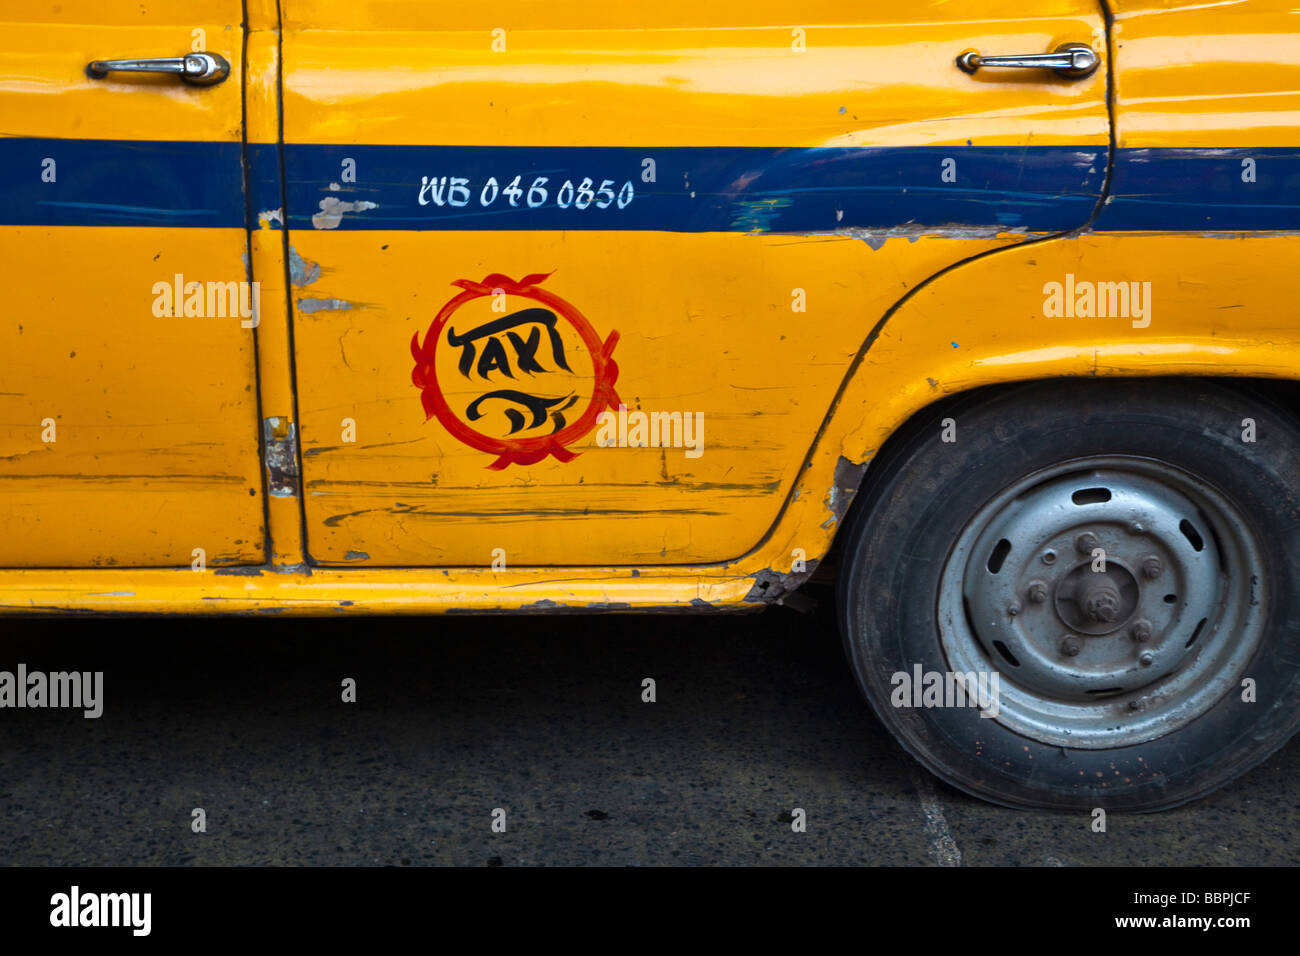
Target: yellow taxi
x=983 y=310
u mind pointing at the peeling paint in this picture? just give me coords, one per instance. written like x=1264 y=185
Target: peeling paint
x=311 y=306
x=281 y=454
x=332 y=210
x=775 y=587
x=848 y=476
x=240 y=572
x=757 y=215
x=768 y=586
x=268 y=216
x=1247 y=234
x=876 y=238
x=546 y=606
x=356 y=556
x=302 y=271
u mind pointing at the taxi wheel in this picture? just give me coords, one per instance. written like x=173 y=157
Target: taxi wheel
x=1083 y=593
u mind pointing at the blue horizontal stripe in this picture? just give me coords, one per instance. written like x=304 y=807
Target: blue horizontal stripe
x=264 y=193
x=1199 y=190
x=694 y=189
x=121 y=183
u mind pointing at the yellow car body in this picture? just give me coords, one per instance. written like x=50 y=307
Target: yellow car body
x=828 y=227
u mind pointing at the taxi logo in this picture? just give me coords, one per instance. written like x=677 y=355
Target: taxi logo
x=513 y=370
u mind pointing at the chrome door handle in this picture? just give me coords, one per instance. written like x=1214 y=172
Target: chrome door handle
x=197 y=69
x=1072 y=60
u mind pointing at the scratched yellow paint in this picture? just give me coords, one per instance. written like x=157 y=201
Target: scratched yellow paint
x=1187 y=336
x=706 y=321
x=1222 y=305
x=1218 y=310
x=155 y=449
x=267 y=250
x=155 y=419
x=697 y=335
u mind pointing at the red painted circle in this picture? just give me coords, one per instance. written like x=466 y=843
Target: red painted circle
x=519 y=451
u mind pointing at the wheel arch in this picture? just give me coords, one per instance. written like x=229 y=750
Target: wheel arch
x=854 y=483
x=982 y=325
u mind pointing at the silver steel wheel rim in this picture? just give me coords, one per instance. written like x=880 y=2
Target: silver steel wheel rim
x=1089 y=658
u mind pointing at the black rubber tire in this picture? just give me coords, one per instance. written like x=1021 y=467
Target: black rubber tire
x=918 y=499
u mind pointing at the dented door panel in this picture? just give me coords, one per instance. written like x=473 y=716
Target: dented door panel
x=769 y=191
x=126 y=438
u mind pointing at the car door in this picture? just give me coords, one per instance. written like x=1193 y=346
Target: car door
x=577 y=284
x=128 y=406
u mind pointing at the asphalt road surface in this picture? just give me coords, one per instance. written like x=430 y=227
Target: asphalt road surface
x=543 y=718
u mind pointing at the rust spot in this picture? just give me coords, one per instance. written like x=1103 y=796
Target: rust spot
x=778 y=587
x=281 y=456
x=848 y=476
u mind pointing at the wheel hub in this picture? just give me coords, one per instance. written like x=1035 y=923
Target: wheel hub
x=1101 y=593
x=1093 y=602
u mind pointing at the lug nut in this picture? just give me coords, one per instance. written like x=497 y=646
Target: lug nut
x=1085 y=542
x=1037 y=592
x=1152 y=567
x=1141 y=630
x=1146 y=658
x=1071 y=645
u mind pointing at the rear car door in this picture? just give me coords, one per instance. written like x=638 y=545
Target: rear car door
x=577 y=283
x=128 y=434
